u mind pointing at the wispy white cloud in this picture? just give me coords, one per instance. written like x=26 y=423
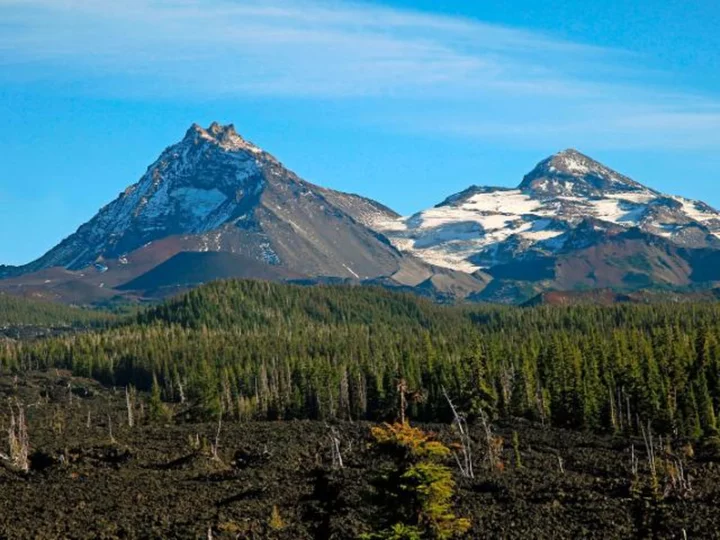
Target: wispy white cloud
x=482 y=80
x=292 y=47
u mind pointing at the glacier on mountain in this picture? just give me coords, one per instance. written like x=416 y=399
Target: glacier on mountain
x=484 y=226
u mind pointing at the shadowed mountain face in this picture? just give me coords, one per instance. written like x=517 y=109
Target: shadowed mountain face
x=216 y=192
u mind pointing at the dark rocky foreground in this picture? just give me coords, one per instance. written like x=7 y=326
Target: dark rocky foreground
x=155 y=480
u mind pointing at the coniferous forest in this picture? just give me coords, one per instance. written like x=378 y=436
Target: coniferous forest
x=246 y=409
x=28 y=312
x=256 y=350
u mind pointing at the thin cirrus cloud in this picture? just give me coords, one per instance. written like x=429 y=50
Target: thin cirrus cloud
x=482 y=80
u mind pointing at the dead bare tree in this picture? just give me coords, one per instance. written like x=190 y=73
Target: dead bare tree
x=561 y=464
x=464 y=457
x=402 y=388
x=678 y=480
x=494 y=444
x=675 y=477
x=337 y=460
x=649 y=448
x=110 y=430
x=216 y=445
x=415 y=396
x=18 y=440
x=650 y=451
x=129 y=405
x=634 y=461
x=181 y=391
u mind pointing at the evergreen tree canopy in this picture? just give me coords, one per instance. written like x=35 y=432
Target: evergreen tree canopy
x=261 y=350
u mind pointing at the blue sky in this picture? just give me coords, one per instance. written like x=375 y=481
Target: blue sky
x=405 y=101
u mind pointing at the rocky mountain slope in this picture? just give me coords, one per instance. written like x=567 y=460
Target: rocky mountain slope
x=216 y=192
x=571 y=223
x=567 y=201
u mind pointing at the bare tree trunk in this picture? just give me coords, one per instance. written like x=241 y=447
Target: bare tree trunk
x=129 y=404
x=490 y=440
x=18 y=440
x=466 y=464
x=402 y=388
x=112 y=438
x=216 y=446
x=181 y=391
x=650 y=450
x=335 y=449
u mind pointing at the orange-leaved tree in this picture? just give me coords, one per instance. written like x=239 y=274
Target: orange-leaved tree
x=417 y=491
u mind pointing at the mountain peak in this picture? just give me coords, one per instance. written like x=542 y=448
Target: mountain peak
x=224 y=136
x=215 y=191
x=573 y=162
x=572 y=173
x=569 y=152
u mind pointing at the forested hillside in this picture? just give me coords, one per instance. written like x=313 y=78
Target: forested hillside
x=16 y=311
x=268 y=351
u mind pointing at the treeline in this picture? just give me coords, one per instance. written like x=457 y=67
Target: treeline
x=16 y=311
x=270 y=351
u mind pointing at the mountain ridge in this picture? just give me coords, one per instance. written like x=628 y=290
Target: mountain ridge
x=481 y=226
x=570 y=223
x=214 y=191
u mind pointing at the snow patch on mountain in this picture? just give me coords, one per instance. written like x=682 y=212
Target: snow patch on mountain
x=198 y=202
x=483 y=226
x=696 y=210
x=195 y=186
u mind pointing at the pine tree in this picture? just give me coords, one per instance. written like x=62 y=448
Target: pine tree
x=419 y=490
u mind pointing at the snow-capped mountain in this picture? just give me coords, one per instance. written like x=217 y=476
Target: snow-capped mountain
x=568 y=202
x=215 y=192
x=219 y=188
x=214 y=206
